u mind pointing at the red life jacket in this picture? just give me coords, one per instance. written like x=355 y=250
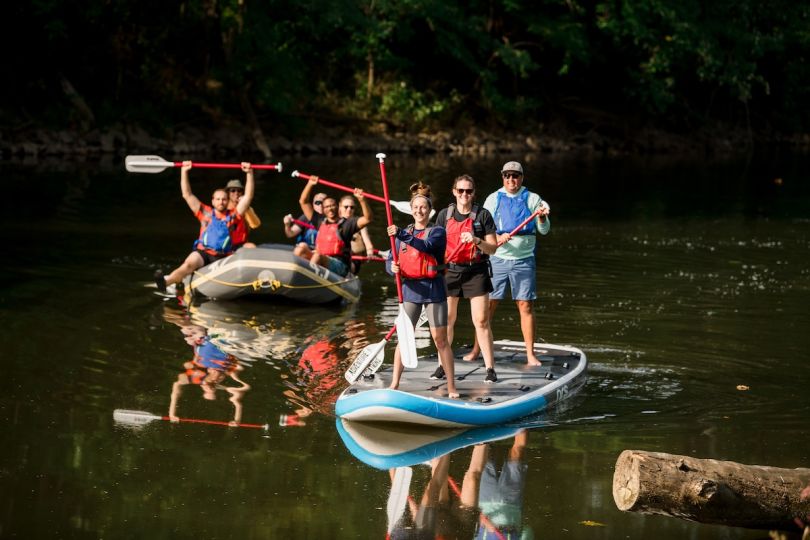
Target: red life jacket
x=456 y=251
x=240 y=231
x=329 y=242
x=415 y=264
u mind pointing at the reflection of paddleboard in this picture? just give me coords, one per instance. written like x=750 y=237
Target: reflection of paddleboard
x=521 y=390
x=386 y=446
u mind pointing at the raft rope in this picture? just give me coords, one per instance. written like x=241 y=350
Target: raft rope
x=273 y=285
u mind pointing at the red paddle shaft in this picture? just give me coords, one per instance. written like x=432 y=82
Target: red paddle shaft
x=523 y=224
x=303 y=224
x=215 y=422
x=338 y=186
x=390 y=218
x=194 y=164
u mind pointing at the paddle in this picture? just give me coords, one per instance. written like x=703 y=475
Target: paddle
x=402 y=206
x=140 y=418
x=371 y=357
x=398 y=496
x=156 y=164
x=303 y=224
x=368 y=258
x=407 y=343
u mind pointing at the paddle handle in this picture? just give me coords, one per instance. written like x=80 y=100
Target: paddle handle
x=303 y=224
x=194 y=164
x=297 y=174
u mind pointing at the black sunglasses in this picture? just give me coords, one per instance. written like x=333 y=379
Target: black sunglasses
x=231 y=190
x=317 y=203
x=467 y=191
x=514 y=175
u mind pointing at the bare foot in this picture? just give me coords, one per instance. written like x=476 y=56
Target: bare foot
x=393 y=387
x=453 y=395
x=472 y=355
x=533 y=361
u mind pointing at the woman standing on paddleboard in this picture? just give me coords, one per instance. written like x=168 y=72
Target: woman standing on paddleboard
x=470 y=240
x=420 y=252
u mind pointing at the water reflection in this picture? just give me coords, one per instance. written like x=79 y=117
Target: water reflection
x=485 y=502
x=212 y=369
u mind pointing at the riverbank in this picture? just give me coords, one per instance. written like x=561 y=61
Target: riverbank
x=230 y=141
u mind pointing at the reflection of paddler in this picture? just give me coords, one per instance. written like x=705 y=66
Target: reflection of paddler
x=319 y=375
x=209 y=368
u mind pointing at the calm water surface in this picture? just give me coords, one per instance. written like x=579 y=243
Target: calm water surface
x=680 y=280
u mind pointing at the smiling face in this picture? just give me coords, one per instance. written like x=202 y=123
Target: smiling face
x=512 y=180
x=346 y=206
x=317 y=202
x=464 y=191
x=219 y=200
x=234 y=194
x=420 y=207
x=330 y=209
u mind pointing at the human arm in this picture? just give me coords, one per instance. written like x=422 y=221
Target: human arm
x=185 y=188
x=291 y=230
x=177 y=387
x=434 y=243
x=367 y=216
x=364 y=234
x=543 y=222
x=390 y=266
x=303 y=200
x=246 y=199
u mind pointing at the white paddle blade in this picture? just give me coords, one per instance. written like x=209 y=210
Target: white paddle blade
x=405 y=207
x=407 y=341
x=423 y=318
x=364 y=360
x=147 y=164
x=133 y=418
x=398 y=498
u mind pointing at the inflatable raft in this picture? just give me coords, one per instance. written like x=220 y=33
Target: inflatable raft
x=521 y=390
x=271 y=270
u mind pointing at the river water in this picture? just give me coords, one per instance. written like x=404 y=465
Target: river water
x=686 y=282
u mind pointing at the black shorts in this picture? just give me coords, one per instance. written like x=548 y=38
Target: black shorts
x=468 y=284
x=208 y=258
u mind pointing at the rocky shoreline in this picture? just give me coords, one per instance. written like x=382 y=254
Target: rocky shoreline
x=230 y=141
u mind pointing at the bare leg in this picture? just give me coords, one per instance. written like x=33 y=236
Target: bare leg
x=519 y=446
x=302 y=250
x=483 y=332
x=316 y=257
x=476 y=350
x=192 y=262
x=526 y=309
x=452 y=314
x=472 y=478
x=397 y=375
x=446 y=357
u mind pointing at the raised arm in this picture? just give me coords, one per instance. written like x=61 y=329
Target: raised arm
x=303 y=200
x=185 y=188
x=367 y=216
x=246 y=199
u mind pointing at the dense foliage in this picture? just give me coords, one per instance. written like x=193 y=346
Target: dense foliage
x=410 y=63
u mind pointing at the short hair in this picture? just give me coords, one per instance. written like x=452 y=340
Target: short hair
x=463 y=177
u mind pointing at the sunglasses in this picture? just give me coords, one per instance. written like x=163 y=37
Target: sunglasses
x=237 y=190
x=317 y=203
x=516 y=176
x=463 y=191
x=347 y=206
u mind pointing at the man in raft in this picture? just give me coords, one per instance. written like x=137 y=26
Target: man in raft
x=217 y=224
x=251 y=221
x=333 y=243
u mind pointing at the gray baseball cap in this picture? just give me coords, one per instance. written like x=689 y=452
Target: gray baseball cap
x=235 y=183
x=512 y=166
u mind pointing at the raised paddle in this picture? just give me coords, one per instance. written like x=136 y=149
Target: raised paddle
x=398 y=496
x=371 y=357
x=402 y=206
x=156 y=164
x=407 y=342
x=140 y=418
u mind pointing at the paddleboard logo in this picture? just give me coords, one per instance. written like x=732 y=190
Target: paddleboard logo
x=562 y=392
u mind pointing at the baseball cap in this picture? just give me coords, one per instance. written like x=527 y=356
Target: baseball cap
x=234 y=184
x=512 y=166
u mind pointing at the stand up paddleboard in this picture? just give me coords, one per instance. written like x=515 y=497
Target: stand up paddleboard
x=521 y=389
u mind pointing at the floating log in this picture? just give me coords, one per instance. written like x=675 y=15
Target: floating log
x=711 y=491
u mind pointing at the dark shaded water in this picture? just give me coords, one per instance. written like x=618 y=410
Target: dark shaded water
x=680 y=280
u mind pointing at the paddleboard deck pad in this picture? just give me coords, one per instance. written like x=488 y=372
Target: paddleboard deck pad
x=520 y=390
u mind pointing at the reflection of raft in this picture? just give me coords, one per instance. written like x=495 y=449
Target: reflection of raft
x=521 y=390
x=386 y=446
x=272 y=270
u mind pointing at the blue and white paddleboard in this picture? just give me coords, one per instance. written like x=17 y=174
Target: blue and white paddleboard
x=521 y=389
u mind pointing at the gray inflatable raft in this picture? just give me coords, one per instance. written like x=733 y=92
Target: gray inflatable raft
x=271 y=270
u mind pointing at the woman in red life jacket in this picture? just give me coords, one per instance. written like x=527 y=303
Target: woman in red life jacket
x=470 y=240
x=333 y=242
x=216 y=226
x=421 y=258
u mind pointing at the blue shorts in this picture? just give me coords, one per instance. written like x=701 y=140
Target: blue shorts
x=334 y=265
x=521 y=275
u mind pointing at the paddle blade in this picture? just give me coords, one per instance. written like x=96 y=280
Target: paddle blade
x=398 y=498
x=133 y=418
x=364 y=360
x=423 y=318
x=407 y=341
x=405 y=207
x=147 y=164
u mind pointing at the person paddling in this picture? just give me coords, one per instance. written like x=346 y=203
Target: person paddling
x=333 y=242
x=420 y=250
x=470 y=241
x=217 y=224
